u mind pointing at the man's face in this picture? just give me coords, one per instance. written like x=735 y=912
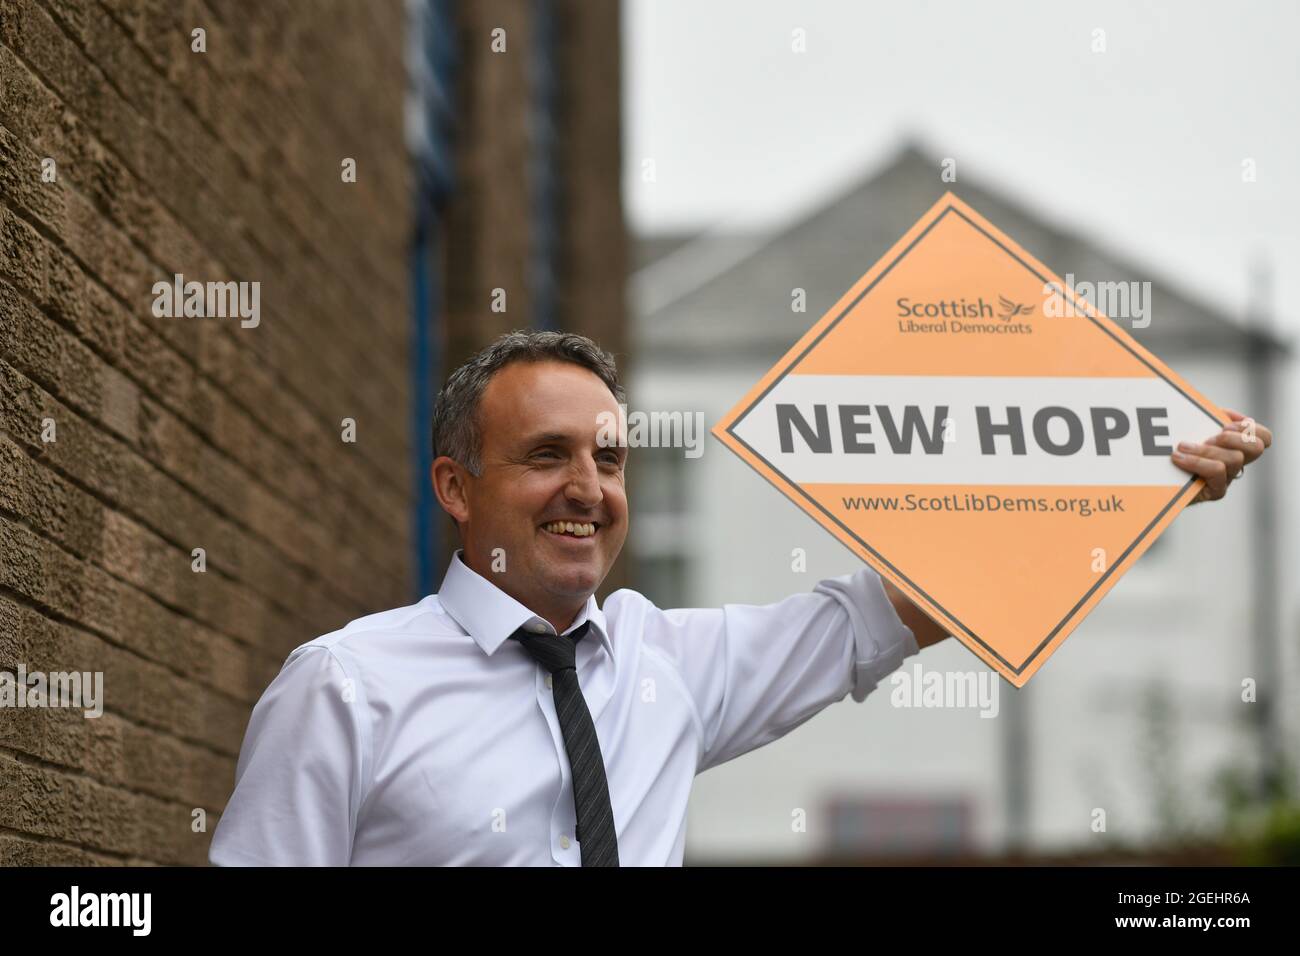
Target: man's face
x=542 y=463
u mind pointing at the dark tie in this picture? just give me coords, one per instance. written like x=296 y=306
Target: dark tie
x=595 y=831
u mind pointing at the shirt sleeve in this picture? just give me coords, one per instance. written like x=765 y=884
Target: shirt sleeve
x=299 y=778
x=754 y=673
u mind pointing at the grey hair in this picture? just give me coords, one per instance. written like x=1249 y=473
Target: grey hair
x=455 y=411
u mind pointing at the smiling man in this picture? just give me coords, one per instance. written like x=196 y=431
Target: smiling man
x=509 y=719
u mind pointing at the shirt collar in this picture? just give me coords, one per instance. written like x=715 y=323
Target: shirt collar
x=490 y=616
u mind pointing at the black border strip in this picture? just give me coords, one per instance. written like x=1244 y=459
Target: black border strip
x=731 y=430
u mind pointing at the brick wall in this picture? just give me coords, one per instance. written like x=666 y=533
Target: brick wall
x=181 y=433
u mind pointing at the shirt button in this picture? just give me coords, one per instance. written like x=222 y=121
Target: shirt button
x=549 y=682
x=535 y=627
x=564 y=843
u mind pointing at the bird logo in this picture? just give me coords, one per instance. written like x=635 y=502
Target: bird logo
x=1012 y=309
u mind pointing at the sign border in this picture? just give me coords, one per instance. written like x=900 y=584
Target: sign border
x=949 y=202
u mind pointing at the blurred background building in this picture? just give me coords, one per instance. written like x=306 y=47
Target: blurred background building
x=771 y=148
x=1139 y=704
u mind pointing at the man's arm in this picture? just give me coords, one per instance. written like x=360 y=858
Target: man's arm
x=755 y=672
x=301 y=769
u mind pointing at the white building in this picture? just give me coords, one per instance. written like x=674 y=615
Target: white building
x=1132 y=715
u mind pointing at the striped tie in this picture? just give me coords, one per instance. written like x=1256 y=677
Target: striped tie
x=595 y=830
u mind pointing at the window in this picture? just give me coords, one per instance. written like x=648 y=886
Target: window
x=657 y=497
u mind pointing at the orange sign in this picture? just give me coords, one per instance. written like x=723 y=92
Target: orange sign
x=979 y=434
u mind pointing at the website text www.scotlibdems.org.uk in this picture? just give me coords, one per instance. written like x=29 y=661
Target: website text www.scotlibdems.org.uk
x=987 y=503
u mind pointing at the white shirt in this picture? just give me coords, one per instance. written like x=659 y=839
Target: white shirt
x=423 y=736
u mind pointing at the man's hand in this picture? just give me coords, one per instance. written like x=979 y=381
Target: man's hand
x=923 y=627
x=1222 y=458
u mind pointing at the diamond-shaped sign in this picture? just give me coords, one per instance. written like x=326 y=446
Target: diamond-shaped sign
x=979 y=434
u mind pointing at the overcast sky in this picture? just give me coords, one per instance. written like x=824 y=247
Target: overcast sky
x=1139 y=148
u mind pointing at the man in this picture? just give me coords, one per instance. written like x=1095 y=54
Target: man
x=508 y=719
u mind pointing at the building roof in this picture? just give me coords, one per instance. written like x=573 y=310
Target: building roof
x=729 y=293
